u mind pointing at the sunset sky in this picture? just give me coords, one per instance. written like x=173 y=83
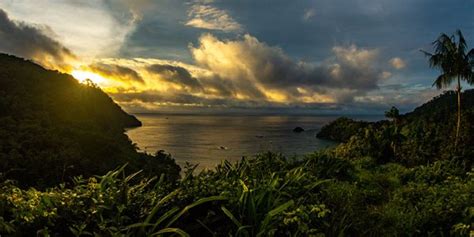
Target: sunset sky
x=322 y=56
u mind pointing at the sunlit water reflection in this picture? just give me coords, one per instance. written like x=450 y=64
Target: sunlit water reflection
x=208 y=139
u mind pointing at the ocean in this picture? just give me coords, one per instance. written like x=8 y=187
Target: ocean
x=207 y=140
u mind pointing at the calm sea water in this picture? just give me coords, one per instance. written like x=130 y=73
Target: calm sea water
x=208 y=139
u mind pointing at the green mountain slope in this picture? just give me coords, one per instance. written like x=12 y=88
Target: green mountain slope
x=423 y=135
x=442 y=105
x=52 y=127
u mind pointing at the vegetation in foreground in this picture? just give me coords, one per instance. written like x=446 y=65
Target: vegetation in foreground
x=268 y=195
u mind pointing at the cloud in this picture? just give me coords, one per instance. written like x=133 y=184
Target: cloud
x=208 y=17
x=246 y=72
x=116 y=72
x=174 y=98
x=309 y=14
x=89 y=28
x=272 y=74
x=386 y=75
x=34 y=42
x=153 y=100
x=397 y=63
x=176 y=74
x=128 y=11
x=354 y=68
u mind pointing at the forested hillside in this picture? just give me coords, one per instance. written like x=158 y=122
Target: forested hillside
x=53 y=128
x=425 y=135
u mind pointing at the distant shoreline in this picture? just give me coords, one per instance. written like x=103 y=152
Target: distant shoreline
x=255 y=114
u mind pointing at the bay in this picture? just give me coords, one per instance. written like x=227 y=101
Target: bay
x=207 y=140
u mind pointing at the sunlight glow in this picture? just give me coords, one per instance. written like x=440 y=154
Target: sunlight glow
x=83 y=75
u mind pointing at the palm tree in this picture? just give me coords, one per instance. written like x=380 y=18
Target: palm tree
x=455 y=63
x=393 y=113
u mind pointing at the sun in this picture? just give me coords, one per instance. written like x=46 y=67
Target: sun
x=83 y=75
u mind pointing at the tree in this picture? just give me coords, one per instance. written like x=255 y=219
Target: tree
x=455 y=63
x=393 y=113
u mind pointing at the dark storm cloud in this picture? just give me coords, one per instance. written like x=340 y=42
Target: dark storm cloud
x=220 y=87
x=211 y=84
x=175 y=74
x=33 y=42
x=116 y=72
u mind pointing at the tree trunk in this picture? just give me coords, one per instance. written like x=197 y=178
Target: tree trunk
x=458 y=125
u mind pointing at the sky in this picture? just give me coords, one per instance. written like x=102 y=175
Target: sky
x=317 y=56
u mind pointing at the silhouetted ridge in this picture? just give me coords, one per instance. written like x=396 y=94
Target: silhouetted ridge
x=442 y=104
x=58 y=94
x=53 y=128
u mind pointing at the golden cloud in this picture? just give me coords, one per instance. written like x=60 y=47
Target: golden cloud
x=397 y=63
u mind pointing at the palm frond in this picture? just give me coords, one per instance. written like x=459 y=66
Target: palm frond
x=443 y=81
x=444 y=44
x=437 y=60
x=470 y=55
x=462 y=45
x=426 y=53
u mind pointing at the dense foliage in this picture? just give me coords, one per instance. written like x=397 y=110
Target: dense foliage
x=425 y=135
x=342 y=129
x=266 y=195
x=53 y=128
x=402 y=177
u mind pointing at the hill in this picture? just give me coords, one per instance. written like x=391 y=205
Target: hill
x=443 y=105
x=423 y=135
x=53 y=128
